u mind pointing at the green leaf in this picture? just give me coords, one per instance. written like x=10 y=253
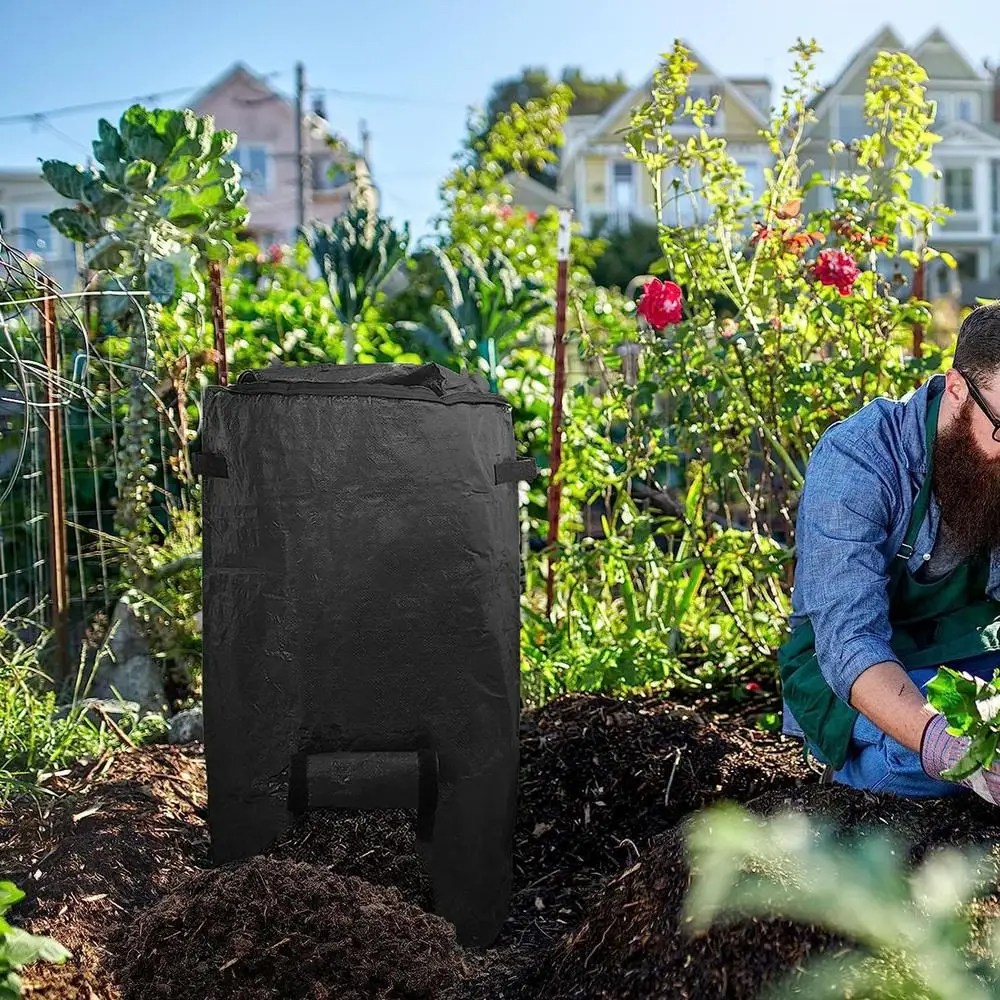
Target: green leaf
x=75 y=225
x=138 y=131
x=948 y=259
x=107 y=254
x=185 y=214
x=161 y=278
x=108 y=149
x=102 y=197
x=21 y=948
x=954 y=696
x=65 y=178
x=223 y=143
x=9 y=896
x=10 y=987
x=139 y=175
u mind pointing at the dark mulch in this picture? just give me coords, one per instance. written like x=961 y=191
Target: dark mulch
x=268 y=929
x=123 y=832
x=118 y=871
x=632 y=945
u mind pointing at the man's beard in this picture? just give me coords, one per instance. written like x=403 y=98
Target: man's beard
x=966 y=483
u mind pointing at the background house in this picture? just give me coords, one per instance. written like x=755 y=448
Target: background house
x=968 y=156
x=25 y=200
x=608 y=190
x=265 y=121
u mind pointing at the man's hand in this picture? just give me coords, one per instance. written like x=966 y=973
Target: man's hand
x=939 y=750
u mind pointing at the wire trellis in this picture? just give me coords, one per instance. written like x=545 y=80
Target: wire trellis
x=57 y=383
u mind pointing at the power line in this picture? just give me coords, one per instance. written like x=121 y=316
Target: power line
x=151 y=97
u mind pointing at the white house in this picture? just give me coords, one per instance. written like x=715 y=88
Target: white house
x=25 y=200
x=967 y=157
x=607 y=189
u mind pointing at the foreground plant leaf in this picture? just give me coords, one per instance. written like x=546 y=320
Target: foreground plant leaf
x=860 y=888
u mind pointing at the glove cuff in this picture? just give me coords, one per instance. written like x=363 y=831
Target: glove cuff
x=939 y=750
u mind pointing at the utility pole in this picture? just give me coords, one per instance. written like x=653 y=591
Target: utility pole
x=300 y=157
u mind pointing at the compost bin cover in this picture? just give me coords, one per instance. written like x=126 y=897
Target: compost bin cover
x=361 y=614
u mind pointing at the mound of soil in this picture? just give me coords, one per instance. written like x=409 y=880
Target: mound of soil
x=632 y=945
x=601 y=776
x=118 y=870
x=125 y=830
x=270 y=929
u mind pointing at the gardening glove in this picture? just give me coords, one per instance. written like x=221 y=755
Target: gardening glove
x=939 y=750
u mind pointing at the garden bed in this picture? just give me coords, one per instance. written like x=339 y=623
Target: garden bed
x=118 y=871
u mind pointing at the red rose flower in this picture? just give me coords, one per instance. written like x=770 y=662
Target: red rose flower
x=505 y=212
x=660 y=304
x=754 y=686
x=532 y=218
x=274 y=253
x=837 y=268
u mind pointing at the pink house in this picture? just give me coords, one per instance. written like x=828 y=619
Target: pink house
x=265 y=123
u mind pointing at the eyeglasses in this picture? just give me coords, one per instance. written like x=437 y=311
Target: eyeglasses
x=982 y=404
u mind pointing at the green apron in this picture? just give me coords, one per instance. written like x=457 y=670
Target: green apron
x=933 y=624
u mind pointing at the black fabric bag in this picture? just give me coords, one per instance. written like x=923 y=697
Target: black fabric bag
x=362 y=614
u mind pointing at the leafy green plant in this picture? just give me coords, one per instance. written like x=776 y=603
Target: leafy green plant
x=34 y=736
x=915 y=932
x=356 y=254
x=489 y=309
x=776 y=343
x=18 y=948
x=972 y=707
x=166 y=195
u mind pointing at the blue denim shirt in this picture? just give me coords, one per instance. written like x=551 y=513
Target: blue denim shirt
x=860 y=486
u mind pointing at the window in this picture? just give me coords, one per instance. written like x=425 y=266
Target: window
x=254 y=163
x=623 y=185
x=754 y=175
x=706 y=93
x=36 y=233
x=851 y=123
x=959 y=192
x=918 y=187
x=683 y=201
x=328 y=176
x=963 y=106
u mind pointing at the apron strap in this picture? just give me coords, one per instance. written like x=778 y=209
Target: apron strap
x=922 y=502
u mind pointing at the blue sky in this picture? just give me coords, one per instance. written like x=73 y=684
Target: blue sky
x=409 y=67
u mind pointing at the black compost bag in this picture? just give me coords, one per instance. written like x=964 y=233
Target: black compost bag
x=361 y=614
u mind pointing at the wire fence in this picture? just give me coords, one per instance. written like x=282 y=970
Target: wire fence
x=63 y=400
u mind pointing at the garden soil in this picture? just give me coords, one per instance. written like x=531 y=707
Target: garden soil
x=118 y=871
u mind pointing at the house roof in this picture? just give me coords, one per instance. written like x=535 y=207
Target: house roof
x=640 y=94
x=987 y=132
x=241 y=69
x=937 y=36
x=884 y=38
x=526 y=183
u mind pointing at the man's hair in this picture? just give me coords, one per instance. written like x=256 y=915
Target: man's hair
x=977 y=352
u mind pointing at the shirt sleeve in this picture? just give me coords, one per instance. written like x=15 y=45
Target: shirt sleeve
x=842 y=540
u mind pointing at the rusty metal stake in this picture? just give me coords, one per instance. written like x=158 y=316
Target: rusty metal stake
x=218 y=322
x=555 y=454
x=58 y=555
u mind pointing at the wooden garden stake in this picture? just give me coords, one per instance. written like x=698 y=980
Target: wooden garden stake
x=555 y=454
x=218 y=322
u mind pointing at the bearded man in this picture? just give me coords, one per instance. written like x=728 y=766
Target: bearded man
x=898 y=573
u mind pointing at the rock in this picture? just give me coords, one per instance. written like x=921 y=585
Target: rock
x=187 y=726
x=125 y=668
